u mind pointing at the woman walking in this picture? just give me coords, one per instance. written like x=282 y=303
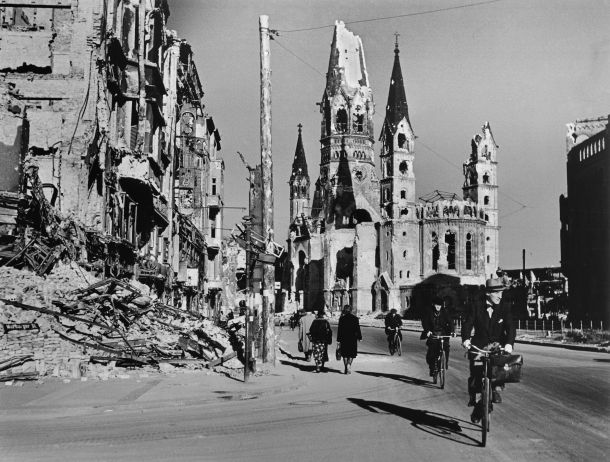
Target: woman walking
x=321 y=336
x=304 y=325
x=348 y=334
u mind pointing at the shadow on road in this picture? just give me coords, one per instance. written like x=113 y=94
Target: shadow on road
x=373 y=354
x=308 y=367
x=601 y=360
x=430 y=422
x=401 y=378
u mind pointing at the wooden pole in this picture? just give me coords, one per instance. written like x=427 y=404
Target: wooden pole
x=268 y=283
x=247 y=327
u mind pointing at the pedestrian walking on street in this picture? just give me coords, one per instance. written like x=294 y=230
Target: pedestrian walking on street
x=321 y=336
x=305 y=344
x=348 y=335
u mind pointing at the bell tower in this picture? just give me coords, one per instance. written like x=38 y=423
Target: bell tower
x=399 y=237
x=481 y=187
x=299 y=182
x=348 y=180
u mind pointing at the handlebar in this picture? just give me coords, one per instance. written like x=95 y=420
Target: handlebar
x=485 y=352
x=441 y=336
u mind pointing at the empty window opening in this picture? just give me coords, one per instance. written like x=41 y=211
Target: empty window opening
x=487 y=258
x=450 y=241
x=403 y=167
x=403 y=194
x=486 y=178
x=435 y=252
x=468 y=251
x=486 y=200
x=213 y=186
x=342 y=121
x=402 y=139
x=404 y=212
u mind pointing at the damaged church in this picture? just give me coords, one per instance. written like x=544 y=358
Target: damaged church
x=365 y=238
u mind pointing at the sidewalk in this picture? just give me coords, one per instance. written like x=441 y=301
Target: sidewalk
x=140 y=390
x=415 y=326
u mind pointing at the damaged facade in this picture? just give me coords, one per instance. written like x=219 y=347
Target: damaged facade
x=585 y=221
x=366 y=240
x=108 y=157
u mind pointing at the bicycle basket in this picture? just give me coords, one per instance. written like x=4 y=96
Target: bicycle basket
x=506 y=368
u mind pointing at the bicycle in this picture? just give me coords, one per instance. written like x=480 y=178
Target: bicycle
x=395 y=343
x=441 y=361
x=485 y=390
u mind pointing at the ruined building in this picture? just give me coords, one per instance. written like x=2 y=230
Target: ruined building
x=108 y=156
x=585 y=220
x=367 y=239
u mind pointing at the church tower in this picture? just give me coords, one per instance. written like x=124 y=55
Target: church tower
x=399 y=238
x=299 y=182
x=347 y=170
x=481 y=187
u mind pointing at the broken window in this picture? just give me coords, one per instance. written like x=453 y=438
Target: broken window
x=403 y=194
x=435 y=251
x=213 y=186
x=402 y=139
x=468 y=251
x=359 y=123
x=133 y=134
x=486 y=200
x=450 y=241
x=486 y=178
x=341 y=121
x=403 y=167
x=404 y=212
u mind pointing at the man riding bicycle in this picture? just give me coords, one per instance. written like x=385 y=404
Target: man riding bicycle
x=436 y=322
x=493 y=324
x=393 y=321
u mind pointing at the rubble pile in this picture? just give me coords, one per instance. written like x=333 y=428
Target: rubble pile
x=70 y=325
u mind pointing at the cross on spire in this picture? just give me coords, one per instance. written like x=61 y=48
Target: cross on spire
x=396 y=34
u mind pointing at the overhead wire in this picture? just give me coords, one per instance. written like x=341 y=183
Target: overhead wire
x=406 y=15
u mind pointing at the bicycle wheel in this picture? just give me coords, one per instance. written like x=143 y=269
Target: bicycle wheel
x=441 y=370
x=398 y=346
x=485 y=397
x=391 y=347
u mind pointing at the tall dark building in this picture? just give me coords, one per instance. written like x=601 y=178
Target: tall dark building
x=585 y=220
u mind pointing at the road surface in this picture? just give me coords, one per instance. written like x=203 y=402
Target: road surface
x=387 y=409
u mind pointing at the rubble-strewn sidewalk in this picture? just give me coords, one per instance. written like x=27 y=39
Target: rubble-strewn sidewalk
x=70 y=325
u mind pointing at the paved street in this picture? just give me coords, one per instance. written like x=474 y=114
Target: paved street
x=386 y=409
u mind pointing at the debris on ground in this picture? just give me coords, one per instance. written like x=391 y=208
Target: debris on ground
x=70 y=325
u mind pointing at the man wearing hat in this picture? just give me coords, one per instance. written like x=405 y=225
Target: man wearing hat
x=493 y=324
x=436 y=321
x=393 y=321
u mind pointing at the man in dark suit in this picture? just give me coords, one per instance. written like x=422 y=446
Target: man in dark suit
x=493 y=324
x=436 y=321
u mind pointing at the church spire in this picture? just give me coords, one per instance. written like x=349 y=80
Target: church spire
x=299 y=164
x=397 y=107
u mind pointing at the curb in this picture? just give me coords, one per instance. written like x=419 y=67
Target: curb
x=567 y=346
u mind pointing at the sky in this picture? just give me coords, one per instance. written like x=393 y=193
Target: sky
x=528 y=67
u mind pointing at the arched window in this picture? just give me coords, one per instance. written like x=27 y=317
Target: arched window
x=450 y=241
x=404 y=254
x=402 y=139
x=468 y=251
x=403 y=167
x=435 y=251
x=486 y=200
x=403 y=194
x=359 y=123
x=400 y=274
x=404 y=212
x=486 y=178
x=341 y=121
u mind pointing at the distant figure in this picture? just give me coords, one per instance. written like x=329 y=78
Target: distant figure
x=304 y=325
x=393 y=321
x=348 y=335
x=436 y=321
x=321 y=336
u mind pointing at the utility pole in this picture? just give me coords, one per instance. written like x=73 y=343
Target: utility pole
x=247 y=334
x=268 y=283
x=523 y=257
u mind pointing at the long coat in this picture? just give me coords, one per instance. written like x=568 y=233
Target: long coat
x=304 y=325
x=499 y=328
x=427 y=323
x=348 y=334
